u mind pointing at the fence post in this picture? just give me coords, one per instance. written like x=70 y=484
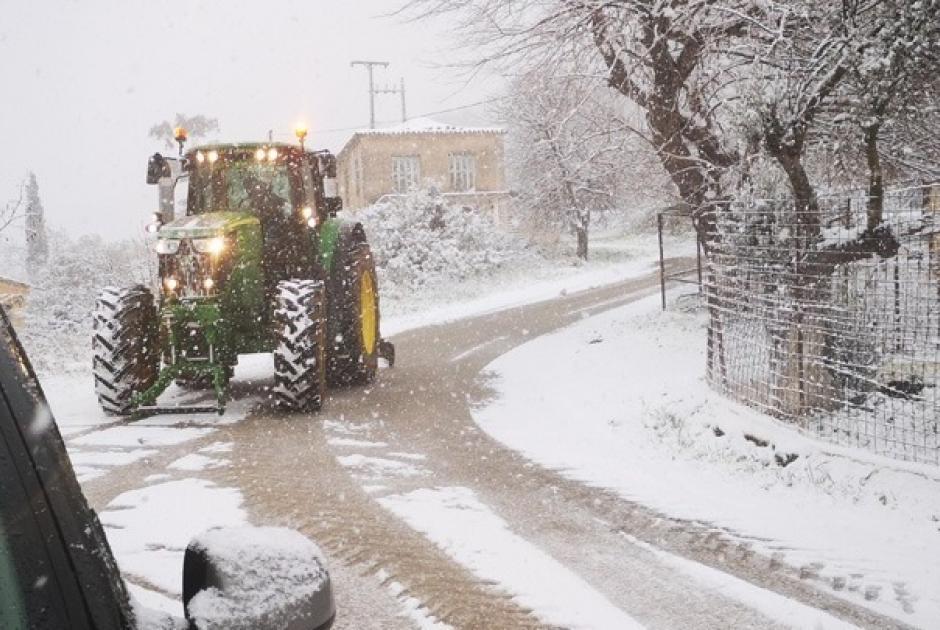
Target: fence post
x=662 y=263
x=698 y=256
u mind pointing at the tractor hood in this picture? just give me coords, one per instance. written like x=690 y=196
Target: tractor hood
x=207 y=225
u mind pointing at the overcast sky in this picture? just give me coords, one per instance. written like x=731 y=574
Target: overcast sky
x=83 y=82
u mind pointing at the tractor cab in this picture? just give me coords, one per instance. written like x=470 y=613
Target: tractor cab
x=271 y=181
x=273 y=196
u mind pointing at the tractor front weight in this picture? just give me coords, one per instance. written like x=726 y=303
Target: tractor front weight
x=181 y=322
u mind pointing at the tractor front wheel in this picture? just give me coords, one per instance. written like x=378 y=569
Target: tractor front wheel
x=300 y=355
x=125 y=347
x=354 y=318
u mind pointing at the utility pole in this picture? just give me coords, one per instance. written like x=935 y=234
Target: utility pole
x=404 y=115
x=370 y=65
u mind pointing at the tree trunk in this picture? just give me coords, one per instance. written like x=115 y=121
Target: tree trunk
x=581 y=231
x=806 y=205
x=876 y=189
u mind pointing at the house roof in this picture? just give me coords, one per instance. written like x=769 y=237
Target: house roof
x=420 y=125
x=427 y=125
x=13 y=283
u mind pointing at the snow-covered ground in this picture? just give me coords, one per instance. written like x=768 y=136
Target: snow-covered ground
x=637 y=417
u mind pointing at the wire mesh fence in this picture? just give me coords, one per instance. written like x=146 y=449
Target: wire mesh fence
x=830 y=317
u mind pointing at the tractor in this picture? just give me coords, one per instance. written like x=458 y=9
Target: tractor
x=252 y=259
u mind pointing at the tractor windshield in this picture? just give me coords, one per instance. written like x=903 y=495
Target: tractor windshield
x=241 y=185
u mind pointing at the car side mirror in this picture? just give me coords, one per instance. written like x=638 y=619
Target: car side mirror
x=256 y=578
x=157 y=168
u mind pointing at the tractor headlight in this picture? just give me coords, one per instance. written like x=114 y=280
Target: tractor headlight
x=170 y=284
x=215 y=245
x=167 y=246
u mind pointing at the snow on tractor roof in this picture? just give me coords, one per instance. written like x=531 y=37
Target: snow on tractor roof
x=427 y=125
x=244 y=146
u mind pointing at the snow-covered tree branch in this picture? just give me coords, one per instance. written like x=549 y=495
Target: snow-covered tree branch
x=197 y=126
x=573 y=152
x=14 y=209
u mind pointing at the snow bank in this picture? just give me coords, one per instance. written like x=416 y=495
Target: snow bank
x=267 y=571
x=421 y=241
x=57 y=332
x=637 y=417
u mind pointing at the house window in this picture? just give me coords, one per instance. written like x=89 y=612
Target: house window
x=463 y=171
x=405 y=173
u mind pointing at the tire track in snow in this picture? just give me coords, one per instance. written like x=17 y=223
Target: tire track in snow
x=470 y=533
x=295 y=481
x=476 y=538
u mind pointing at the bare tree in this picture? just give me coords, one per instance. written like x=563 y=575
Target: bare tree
x=574 y=146
x=14 y=209
x=198 y=126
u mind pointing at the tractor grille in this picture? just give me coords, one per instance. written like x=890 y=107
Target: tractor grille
x=191 y=270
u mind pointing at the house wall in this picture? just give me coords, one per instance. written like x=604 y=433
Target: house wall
x=374 y=152
x=13 y=299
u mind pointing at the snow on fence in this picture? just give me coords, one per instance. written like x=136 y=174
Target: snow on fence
x=831 y=320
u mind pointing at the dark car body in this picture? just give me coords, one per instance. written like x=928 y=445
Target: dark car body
x=56 y=568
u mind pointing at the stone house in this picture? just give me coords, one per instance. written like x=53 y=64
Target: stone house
x=13 y=299
x=466 y=164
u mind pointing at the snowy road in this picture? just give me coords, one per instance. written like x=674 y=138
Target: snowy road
x=422 y=512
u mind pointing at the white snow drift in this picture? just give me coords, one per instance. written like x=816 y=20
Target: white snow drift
x=636 y=416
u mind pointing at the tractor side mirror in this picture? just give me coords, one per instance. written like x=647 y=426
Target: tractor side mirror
x=256 y=577
x=157 y=168
x=333 y=205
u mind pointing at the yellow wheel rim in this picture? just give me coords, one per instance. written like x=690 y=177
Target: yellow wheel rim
x=367 y=305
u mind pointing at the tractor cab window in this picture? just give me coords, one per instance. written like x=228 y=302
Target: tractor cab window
x=245 y=185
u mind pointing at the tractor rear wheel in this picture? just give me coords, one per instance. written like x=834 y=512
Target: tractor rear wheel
x=125 y=346
x=354 y=318
x=300 y=354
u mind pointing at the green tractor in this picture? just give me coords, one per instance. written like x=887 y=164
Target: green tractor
x=252 y=259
